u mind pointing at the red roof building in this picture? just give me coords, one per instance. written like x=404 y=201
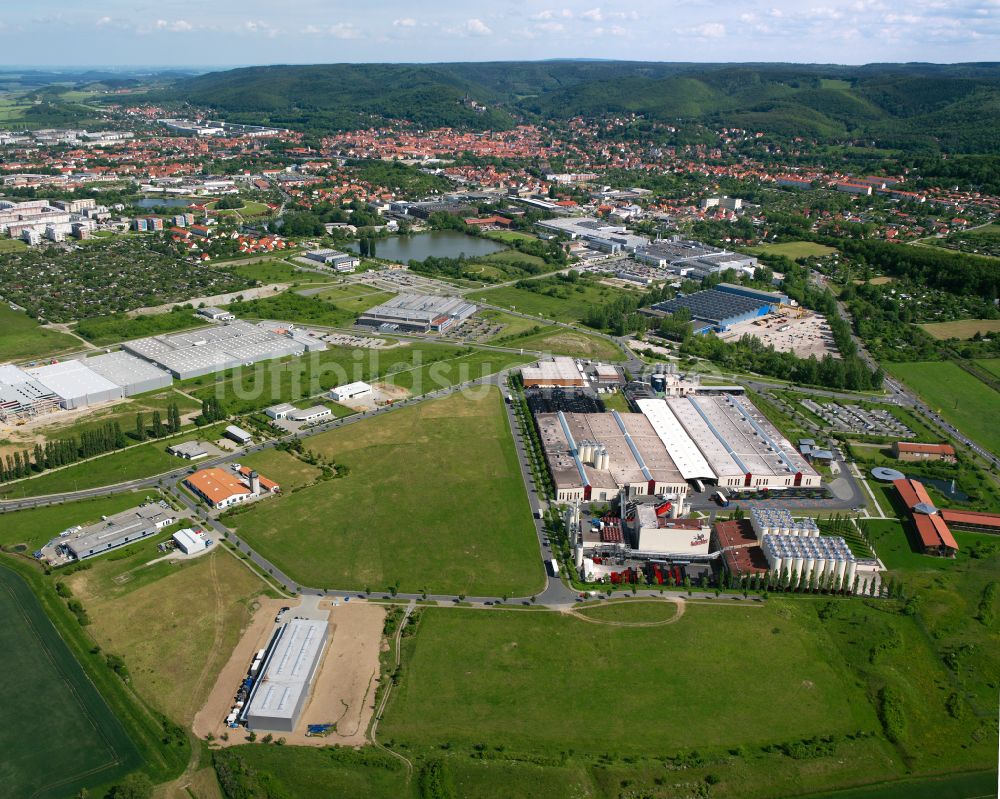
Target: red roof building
x=935 y=537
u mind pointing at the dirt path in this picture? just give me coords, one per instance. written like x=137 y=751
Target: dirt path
x=388 y=690
x=679 y=604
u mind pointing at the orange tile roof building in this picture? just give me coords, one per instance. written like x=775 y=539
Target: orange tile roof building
x=221 y=488
x=912 y=451
x=935 y=537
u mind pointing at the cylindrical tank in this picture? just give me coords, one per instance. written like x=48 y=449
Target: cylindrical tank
x=841 y=568
x=605 y=459
x=797 y=564
x=587 y=452
x=852 y=570
x=579 y=556
x=776 y=562
x=808 y=564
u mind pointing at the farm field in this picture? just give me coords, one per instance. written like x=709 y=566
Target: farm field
x=35 y=526
x=963 y=329
x=560 y=341
x=414 y=478
x=569 y=303
x=794 y=249
x=54 y=702
x=143 y=614
x=531 y=684
x=959 y=397
x=23 y=338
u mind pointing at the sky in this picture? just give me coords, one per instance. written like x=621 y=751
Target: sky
x=216 y=33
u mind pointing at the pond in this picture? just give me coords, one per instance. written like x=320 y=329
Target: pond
x=946 y=487
x=437 y=244
x=163 y=202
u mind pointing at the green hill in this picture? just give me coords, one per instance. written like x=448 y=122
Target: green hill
x=913 y=106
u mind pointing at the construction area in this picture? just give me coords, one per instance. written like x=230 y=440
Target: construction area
x=793 y=330
x=306 y=673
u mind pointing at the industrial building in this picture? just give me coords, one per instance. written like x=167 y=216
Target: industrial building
x=692 y=259
x=935 y=536
x=778 y=520
x=592 y=456
x=114 y=531
x=216 y=314
x=22 y=397
x=309 y=415
x=597 y=234
x=724 y=439
x=718 y=309
x=552 y=373
x=214 y=349
x=279 y=695
x=279 y=411
x=75 y=384
x=189 y=541
x=417 y=313
x=801 y=559
x=221 y=488
x=350 y=391
x=340 y=261
x=189 y=450
x=739 y=547
x=656 y=530
x=134 y=375
x=238 y=434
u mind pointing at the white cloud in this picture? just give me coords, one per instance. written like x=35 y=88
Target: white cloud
x=707 y=30
x=408 y=22
x=562 y=13
x=476 y=27
x=551 y=27
x=177 y=26
x=343 y=30
x=594 y=15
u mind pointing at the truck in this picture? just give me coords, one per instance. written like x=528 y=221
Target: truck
x=554 y=567
x=539 y=512
x=721 y=498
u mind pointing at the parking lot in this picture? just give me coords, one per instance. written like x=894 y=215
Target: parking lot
x=858 y=420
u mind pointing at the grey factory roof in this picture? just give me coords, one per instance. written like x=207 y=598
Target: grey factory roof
x=736 y=438
x=74 y=382
x=287 y=673
x=133 y=374
x=712 y=306
x=677 y=440
x=214 y=349
x=129 y=525
x=636 y=454
x=420 y=308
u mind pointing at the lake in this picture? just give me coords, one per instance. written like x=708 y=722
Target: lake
x=437 y=244
x=944 y=486
x=163 y=202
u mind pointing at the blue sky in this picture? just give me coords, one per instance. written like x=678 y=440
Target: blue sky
x=231 y=32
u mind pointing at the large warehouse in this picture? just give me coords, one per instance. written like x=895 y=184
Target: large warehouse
x=214 y=349
x=417 y=313
x=726 y=440
x=716 y=310
x=75 y=384
x=280 y=693
x=592 y=456
x=114 y=531
x=134 y=375
x=23 y=397
x=558 y=372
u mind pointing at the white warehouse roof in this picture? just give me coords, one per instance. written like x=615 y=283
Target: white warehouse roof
x=76 y=384
x=133 y=374
x=685 y=453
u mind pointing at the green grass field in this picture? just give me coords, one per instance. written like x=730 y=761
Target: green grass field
x=355 y=297
x=794 y=249
x=433 y=498
x=963 y=329
x=36 y=526
x=956 y=395
x=560 y=341
x=12 y=245
x=991 y=365
x=417 y=369
x=276 y=272
x=285 y=469
x=61 y=736
x=103 y=330
x=616 y=402
x=22 y=338
x=571 y=304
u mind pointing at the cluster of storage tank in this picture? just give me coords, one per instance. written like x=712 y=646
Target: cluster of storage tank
x=779 y=521
x=594 y=453
x=808 y=556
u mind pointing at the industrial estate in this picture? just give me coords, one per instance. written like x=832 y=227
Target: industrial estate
x=424 y=454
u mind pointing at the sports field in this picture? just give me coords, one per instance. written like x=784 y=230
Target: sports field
x=58 y=734
x=433 y=498
x=963 y=329
x=957 y=396
x=23 y=338
x=794 y=249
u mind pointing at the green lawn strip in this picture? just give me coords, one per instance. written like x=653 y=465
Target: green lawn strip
x=432 y=498
x=980 y=784
x=991 y=365
x=616 y=402
x=794 y=249
x=564 y=303
x=355 y=297
x=956 y=395
x=561 y=341
x=103 y=330
x=23 y=338
x=162 y=746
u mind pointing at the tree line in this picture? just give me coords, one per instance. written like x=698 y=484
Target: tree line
x=158 y=426
x=62 y=452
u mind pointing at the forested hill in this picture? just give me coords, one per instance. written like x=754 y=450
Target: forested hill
x=953 y=108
